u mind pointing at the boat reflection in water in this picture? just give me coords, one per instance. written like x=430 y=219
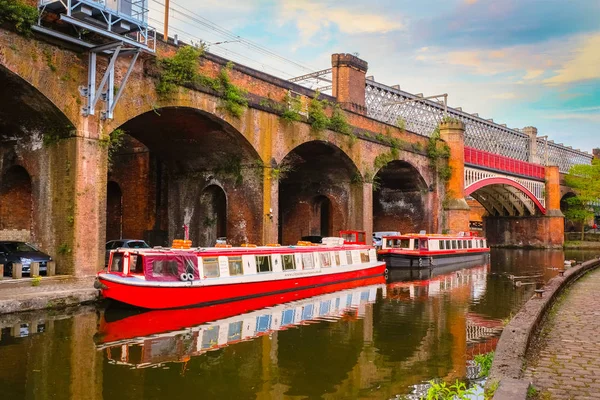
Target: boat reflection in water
x=148 y=339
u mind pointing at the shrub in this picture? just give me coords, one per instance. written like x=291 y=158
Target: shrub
x=20 y=15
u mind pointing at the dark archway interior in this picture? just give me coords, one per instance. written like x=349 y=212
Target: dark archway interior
x=212 y=215
x=319 y=172
x=168 y=157
x=400 y=196
x=114 y=211
x=24 y=110
x=15 y=200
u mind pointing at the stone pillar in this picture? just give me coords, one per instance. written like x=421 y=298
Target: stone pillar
x=89 y=215
x=532 y=131
x=455 y=206
x=596 y=154
x=349 y=79
x=270 y=207
x=555 y=229
x=365 y=215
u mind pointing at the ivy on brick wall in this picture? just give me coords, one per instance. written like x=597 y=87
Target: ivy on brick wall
x=18 y=14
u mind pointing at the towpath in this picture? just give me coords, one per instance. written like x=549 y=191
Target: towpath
x=565 y=362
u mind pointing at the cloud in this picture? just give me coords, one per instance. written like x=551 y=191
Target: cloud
x=505 y=96
x=533 y=73
x=584 y=66
x=311 y=17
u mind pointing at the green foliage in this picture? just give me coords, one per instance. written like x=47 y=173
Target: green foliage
x=450 y=120
x=113 y=142
x=18 y=14
x=179 y=70
x=280 y=171
x=438 y=153
x=64 y=249
x=338 y=121
x=231 y=166
x=532 y=392
x=352 y=138
x=293 y=108
x=490 y=389
x=36 y=280
x=367 y=135
x=417 y=146
x=484 y=362
x=234 y=98
x=316 y=114
x=401 y=123
x=380 y=137
x=444 y=391
x=49 y=61
x=585 y=181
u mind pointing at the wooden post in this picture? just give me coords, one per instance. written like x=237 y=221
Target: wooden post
x=34 y=269
x=51 y=268
x=166 y=33
x=17 y=271
x=1 y=271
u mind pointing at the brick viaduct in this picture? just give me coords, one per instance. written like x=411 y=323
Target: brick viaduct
x=186 y=160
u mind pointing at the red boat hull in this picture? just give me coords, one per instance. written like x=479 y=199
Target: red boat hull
x=159 y=321
x=159 y=297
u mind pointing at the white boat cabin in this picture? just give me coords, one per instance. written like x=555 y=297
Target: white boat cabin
x=433 y=242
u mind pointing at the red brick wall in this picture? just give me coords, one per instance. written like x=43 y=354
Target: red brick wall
x=542 y=232
x=15 y=199
x=395 y=210
x=114 y=211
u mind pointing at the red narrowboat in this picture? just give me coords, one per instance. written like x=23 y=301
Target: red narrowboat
x=166 y=278
x=427 y=251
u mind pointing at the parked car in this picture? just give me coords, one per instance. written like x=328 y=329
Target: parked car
x=125 y=244
x=12 y=252
x=377 y=237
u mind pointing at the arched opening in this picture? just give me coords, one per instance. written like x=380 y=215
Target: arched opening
x=16 y=205
x=505 y=197
x=185 y=167
x=317 y=197
x=322 y=211
x=570 y=226
x=114 y=211
x=212 y=216
x=400 y=198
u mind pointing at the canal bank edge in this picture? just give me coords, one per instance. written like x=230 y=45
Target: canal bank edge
x=511 y=351
x=51 y=296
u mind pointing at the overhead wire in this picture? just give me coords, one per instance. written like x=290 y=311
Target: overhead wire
x=207 y=25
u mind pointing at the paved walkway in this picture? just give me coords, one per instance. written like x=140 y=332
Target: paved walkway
x=566 y=363
x=53 y=292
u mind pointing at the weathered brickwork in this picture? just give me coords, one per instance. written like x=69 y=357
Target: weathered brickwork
x=15 y=199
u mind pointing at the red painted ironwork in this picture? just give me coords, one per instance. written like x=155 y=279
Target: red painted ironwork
x=502 y=163
x=505 y=181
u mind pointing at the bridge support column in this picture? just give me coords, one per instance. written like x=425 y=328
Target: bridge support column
x=88 y=218
x=270 y=208
x=556 y=224
x=348 y=74
x=364 y=216
x=455 y=206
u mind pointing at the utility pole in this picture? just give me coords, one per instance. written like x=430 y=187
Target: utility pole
x=166 y=30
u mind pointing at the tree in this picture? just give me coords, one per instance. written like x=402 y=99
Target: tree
x=584 y=179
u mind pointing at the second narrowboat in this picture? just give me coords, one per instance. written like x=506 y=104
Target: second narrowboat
x=427 y=251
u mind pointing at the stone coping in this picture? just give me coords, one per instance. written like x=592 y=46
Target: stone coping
x=511 y=351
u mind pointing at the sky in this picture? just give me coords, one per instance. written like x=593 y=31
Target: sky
x=520 y=62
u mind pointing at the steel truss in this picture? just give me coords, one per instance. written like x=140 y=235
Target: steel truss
x=109 y=95
x=421 y=115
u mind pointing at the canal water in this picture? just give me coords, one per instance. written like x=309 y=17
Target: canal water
x=374 y=340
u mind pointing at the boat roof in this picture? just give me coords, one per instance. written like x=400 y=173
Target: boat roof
x=431 y=236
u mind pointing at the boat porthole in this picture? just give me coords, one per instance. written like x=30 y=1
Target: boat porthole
x=183 y=276
x=190 y=277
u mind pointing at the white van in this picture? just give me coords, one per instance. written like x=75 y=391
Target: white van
x=378 y=235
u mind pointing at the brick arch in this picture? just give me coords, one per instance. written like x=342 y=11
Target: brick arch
x=16 y=204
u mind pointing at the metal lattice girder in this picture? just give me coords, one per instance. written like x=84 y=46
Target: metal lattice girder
x=422 y=116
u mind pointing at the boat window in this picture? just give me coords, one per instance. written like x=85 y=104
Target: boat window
x=484 y=243
x=364 y=256
x=361 y=237
x=117 y=262
x=235 y=331
x=448 y=246
x=423 y=244
x=442 y=245
x=210 y=266
x=337 y=258
x=164 y=268
x=263 y=323
x=349 y=257
x=263 y=263
x=210 y=338
x=470 y=244
x=236 y=266
x=307 y=261
x=460 y=244
x=136 y=266
x=480 y=243
x=325 y=260
x=288 y=261
x=454 y=244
